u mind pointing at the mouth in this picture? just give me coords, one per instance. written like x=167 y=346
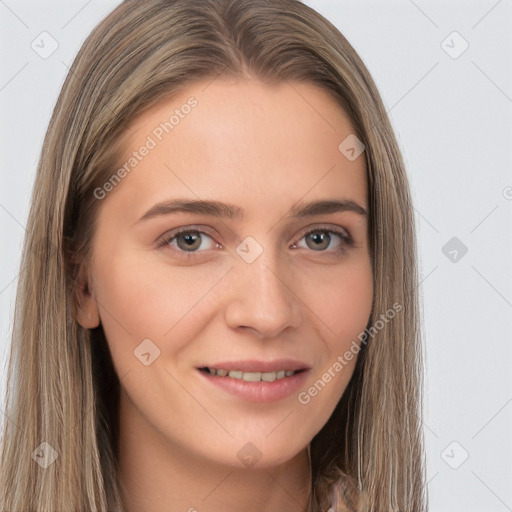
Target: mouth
x=257 y=381
x=250 y=376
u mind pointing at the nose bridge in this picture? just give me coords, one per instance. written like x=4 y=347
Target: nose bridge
x=261 y=297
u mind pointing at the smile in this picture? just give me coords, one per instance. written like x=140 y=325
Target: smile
x=250 y=376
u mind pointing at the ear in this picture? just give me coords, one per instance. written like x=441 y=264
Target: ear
x=86 y=310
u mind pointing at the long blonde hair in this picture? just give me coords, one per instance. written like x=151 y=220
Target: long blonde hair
x=62 y=388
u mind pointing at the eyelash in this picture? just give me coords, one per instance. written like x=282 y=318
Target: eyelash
x=346 y=241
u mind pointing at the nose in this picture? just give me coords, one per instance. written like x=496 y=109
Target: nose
x=261 y=298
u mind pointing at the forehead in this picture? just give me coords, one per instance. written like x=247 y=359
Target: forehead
x=242 y=141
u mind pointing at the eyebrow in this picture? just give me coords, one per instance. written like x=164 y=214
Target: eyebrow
x=230 y=211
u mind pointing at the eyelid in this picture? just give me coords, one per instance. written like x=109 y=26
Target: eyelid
x=326 y=227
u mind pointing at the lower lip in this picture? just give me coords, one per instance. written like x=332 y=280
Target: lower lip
x=258 y=391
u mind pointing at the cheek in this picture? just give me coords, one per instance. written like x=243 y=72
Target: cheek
x=342 y=301
x=140 y=297
x=341 y=307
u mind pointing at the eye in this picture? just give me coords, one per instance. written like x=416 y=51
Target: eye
x=187 y=240
x=319 y=239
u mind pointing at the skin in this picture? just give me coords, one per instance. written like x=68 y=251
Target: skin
x=263 y=148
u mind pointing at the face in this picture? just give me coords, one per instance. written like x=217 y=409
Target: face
x=264 y=287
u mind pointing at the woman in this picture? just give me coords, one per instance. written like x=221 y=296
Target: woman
x=183 y=339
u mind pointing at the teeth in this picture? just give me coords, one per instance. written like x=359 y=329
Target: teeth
x=252 y=376
x=247 y=376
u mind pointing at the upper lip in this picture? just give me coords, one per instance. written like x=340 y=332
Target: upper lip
x=253 y=365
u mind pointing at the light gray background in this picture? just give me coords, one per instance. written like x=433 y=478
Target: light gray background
x=453 y=119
